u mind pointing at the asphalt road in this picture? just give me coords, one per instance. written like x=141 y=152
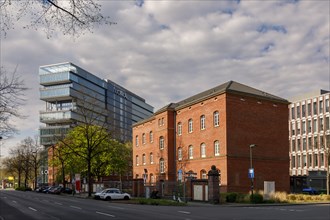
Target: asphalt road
x=15 y=205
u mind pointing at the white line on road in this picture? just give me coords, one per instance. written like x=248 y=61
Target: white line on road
x=75 y=207
x=32 y=209
x=184 y=212
x=57 y=203
x=106 y=214
x=115 y=207
x=14 y=201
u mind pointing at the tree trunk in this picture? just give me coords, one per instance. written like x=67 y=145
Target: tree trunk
x=89 y=178
x=35 y=177
x=63 y=175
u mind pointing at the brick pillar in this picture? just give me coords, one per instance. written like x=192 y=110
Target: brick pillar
x=213 y=181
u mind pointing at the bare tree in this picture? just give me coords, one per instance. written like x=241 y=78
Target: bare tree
x=72 y=17
x=11 y=93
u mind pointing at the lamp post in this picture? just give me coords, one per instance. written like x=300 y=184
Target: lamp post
x=251 y=170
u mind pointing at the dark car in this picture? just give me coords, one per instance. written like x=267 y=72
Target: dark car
x=310 y=191
x=48 y=189
x=40 y=189
x=66 y=190
x=55 y=190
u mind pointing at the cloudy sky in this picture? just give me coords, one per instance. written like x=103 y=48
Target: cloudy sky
x=166 y=51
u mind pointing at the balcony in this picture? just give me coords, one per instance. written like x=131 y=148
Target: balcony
x=55 y=94
x=55 y=78
x=56 y=117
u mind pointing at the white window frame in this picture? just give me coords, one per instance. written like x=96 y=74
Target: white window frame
x=151 y=158
x=216 y=119
x=203 y=150
x=191 y=152
x=161 y=165
x=179 y=128
x=202 y=121
x=180 y=153
x=161 y=143
x=190 y=125
x=216 y=148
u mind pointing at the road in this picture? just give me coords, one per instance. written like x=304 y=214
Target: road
x=16 y=205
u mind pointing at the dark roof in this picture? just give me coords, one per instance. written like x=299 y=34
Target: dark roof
x=228 y=87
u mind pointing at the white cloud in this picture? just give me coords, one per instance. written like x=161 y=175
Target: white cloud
x=166 y=51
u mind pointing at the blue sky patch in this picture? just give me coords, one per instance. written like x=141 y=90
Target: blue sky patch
x=139 y=3
x=264 y=28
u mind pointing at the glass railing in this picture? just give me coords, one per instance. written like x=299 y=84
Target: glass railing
x=51 y=116
x=53 y=78
x=50 y=93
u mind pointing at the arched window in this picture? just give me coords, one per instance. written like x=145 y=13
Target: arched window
x=161 y=165
x=143 y=138
x=137 y=140
x=179 y=153
x=216 y=119
x=151 y=158
x=137 y=160
x=161 y=143
x=151 y=137
x=152 y=178
x=190 y=125
x=143 y=159
x=179 y=128
x=202 y=119
x=203 y=174
x=216 y=148
x=203 y=150
x=191 y=152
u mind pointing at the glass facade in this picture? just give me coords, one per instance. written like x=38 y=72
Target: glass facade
x=67 y=88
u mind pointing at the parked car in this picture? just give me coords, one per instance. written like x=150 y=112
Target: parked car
x=46 y=190
x=310 y=191
x=55 y=190
x=40 y=189
x=66 y=190
x=114 y=193
x=97 y=195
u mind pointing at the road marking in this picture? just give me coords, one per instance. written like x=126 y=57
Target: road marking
x=184 y=212
x=106 y=214
x=57 y=203
x=75 y=207
x=115 y=207
x=32 y=209
x=14 y=201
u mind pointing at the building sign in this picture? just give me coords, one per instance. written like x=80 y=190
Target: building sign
x=119 y=92
x=251 y=173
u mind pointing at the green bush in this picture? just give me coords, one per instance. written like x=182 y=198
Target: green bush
x=256 y=198
x=231 y=197
x=23 y=188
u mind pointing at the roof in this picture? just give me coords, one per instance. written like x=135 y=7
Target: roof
x=228 y=87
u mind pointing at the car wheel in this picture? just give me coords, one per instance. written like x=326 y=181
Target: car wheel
x=108 y=198
x=126 y=198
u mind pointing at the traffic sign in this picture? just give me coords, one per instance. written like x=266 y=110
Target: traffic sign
x=251 y=173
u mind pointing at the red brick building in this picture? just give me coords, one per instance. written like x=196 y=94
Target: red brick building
x=216 y=127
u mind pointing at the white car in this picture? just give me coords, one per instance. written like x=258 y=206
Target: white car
x=97 y=195
x=114 y=193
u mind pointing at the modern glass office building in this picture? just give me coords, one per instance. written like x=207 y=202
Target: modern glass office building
x=70 y=92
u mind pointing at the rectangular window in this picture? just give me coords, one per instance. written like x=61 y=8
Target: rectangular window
x=321 y=106
x=162 y=166
x=299 y=161
x=180 y=153
x=304 y=161
x=293 y=131
x=298 y=145
x=191 y=152
x=315 y=125
x=179 y=128
x=310 y=144
x=304 y=144
x=190 y=126
x=309 y=125
x=304 y=127
x=298 y=111
x=293 y=145
x=293 y=161
x=292 y=113
x=216 y=119
x=202 y=122
x=310 y=160
x=327 y=105
x=316 y=161
x=298 y=128
x=303 y=110
x=216 y=148
x=327 y=123
x=315 y=143
x=321 y=124
x=314 y=108
x=322 y=159
x=309 y=109
x=151 y=158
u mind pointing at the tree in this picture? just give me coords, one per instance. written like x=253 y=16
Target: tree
x=11 y=92
x=72 y=17
x=87 y=142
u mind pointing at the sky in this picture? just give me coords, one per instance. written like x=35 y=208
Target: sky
x=166 y=51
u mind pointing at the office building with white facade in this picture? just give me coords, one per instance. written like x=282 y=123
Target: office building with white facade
x=309 y=136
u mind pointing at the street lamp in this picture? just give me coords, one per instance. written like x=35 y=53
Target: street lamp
x=251 y=170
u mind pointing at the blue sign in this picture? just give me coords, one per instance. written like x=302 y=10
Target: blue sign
x=251 y=173
x=180 y=174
